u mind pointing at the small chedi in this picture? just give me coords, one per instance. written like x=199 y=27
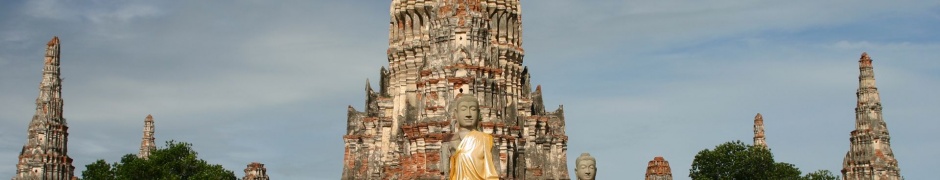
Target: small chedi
x=869 y=156
x=45 y=155
x=256 y=171
x=147 y=142
x=586 y=167
x=437 y=50
x=658 y=169
x=759 y=140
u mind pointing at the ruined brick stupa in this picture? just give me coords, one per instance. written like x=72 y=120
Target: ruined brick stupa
x=45 y=154
x=256 y=171
x=658 y=169
x=437 y=50
x=870 y=156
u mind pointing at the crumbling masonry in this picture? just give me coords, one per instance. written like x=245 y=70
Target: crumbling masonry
x=658 y=169
x=870 y=156
x=437 y=50
x=256 y=171
x=759 y=140
x=146 y=143
x=45 y=155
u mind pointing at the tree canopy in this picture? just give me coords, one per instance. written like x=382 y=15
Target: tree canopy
x=177 y=161
x=821 y=175
x=736 y=160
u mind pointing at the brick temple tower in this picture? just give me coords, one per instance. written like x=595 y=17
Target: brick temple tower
x=256 y=171
x=759 y=140
x=869 y=156
x=45 y=155
x=437 y=50
x=658 y=169
x=147 y=142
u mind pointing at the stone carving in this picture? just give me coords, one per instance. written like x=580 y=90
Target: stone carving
x=869 y=156
x=256 y=171
x=586 y=167
x=45 y=155
x=438 y=49
x=658 y=169
x=472 y=157
x=147 y=143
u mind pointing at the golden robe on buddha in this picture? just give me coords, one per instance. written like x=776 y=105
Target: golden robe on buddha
x=473 y=158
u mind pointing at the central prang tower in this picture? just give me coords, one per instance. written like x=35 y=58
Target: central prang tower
x=437 y=50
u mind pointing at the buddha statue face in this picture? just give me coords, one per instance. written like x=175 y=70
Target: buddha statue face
x=586 y=167
x=468 y=112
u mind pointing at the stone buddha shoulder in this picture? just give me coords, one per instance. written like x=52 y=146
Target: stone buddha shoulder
x=472 y=157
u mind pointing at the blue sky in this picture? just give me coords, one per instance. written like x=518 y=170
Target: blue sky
x=254 y=81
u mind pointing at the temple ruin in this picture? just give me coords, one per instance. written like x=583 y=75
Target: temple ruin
x=869 y=156
x=45 y=155
x=759 y=140
x=437 y=50
x=658 y=169
x=146 y=143
x=256 y=171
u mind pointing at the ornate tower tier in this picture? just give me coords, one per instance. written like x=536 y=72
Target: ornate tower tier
x=759 y=140
x=437 y=50
x=146 y=143
x=256 y=171
x=658 y=169
x=45 y=155
x=869 y=156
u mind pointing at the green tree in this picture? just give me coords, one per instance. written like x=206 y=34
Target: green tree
x=177 y=161
x=731 y=160
x=821 y=175
x=98 y=170
x=784 y=170
x=736 y=160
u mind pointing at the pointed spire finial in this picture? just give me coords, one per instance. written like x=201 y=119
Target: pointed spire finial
x=759 y=117
x=54 y=41
x=865 y=60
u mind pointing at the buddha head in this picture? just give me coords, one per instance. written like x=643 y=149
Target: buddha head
x=467 y=110
x=585 y=167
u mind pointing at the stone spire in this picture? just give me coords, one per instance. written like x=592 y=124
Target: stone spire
x=45 y=154
x=759 y=131
x=147 y=142
x=256 y=171
x=658 y=169
x=869 y=156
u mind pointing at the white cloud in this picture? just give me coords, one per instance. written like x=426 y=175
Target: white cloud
x=94 y=11
x=52 y=9
x=122 y=14
x=637 y=26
